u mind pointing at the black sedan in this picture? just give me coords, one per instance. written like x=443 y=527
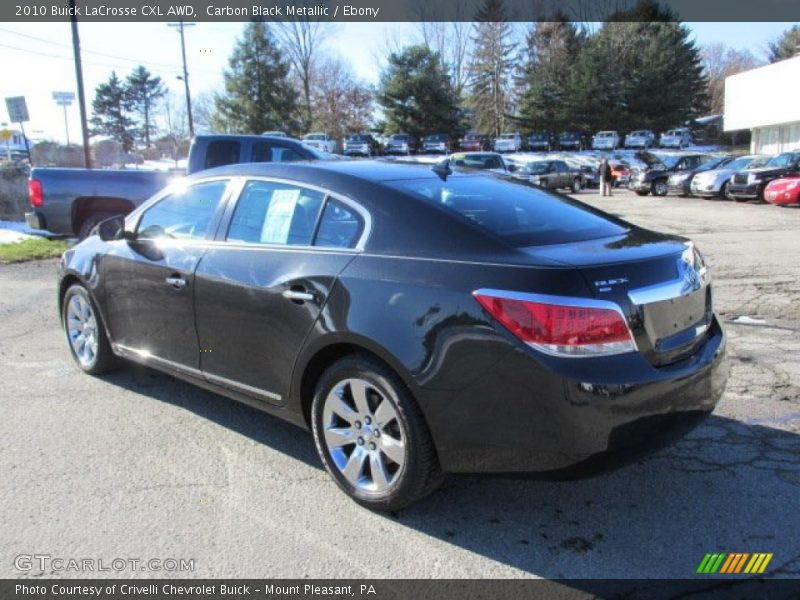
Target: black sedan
x=418 y=320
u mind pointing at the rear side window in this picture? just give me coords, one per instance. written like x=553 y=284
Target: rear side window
x=265 y=152
x=520 y=214
x=184 y=214
x=339 y=227
x=222 y=152
x=275 y=213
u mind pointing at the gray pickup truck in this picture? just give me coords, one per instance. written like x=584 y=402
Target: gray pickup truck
x=73 y=201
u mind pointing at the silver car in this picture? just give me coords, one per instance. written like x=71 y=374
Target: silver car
x=641 y=138
x=676 y=138
x=714 y=184
x=508 y=142
x=606 y=140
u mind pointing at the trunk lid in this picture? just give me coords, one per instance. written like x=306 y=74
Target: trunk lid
x=660 y=282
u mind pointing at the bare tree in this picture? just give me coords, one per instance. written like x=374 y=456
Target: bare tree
x=301 y=40
x=203 y=111
x=343 y=104
x=451 y=40
x=720 y=62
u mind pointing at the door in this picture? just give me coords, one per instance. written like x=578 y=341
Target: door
x=149 y=282
x=260 y=289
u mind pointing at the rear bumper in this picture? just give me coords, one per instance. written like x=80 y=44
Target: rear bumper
x=535 y=418
x=35 y=220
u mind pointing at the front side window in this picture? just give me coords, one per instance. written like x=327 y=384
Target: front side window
x=275 y=213
x=186 y=214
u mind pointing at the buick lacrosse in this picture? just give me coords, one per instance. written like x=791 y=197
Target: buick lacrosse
x=418 y=320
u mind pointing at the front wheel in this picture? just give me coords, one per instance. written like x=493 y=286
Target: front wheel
x=371 y=435
x=576 y=185
x=724 y=192
x=659 y=188
x=86 y=337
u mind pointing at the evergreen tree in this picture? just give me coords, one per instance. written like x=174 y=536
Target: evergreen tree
x=416 y=94
x=551 y=51
x=491 y=67
x=144 y=91
x=786 y=46
x=258 y=93
x=110 y=108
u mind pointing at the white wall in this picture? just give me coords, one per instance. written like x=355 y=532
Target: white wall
x=775 y=139
x=763 y=97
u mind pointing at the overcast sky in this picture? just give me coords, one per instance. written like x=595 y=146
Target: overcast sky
x=36 y=58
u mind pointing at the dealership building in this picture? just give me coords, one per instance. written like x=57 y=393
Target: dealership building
x=765 y=101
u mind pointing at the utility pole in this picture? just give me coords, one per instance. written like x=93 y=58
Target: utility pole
x=181 y=25
x=76 y=51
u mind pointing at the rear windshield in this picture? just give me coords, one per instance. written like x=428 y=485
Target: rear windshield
x=520 y=214
x=358 y=138
x=436 y=137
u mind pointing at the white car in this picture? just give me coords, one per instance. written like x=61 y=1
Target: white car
x=641 y=138
x=606 y=140
x=276 y=134
x=676 y=138
x=320 y=141
x=508 y=142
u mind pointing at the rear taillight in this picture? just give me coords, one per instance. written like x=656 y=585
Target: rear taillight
x=35 y=193
x=560 y=326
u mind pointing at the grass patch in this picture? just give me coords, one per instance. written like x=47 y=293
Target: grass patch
x=33 y=249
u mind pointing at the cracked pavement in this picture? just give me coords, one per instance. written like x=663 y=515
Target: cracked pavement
x=138 y=464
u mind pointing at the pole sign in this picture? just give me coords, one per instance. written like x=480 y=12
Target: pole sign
x=5 y=134
x=64 y=98
x=17 y=109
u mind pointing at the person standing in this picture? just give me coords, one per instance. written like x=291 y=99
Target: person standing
x=606 y=177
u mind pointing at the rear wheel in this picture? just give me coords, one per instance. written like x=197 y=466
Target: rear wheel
x=86 y=337
x=576 y=185
x=90 y=222
x=371 y=436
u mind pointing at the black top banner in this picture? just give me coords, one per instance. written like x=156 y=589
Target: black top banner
x=394 y=10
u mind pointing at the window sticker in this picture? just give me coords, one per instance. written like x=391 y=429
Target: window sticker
x=279 y=216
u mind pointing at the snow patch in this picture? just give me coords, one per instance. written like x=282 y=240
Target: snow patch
x=17 y=231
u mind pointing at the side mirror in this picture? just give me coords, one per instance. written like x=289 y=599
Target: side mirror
x=113 y=229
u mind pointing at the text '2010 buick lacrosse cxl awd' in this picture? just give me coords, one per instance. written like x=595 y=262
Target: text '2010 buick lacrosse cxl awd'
x=418 y=320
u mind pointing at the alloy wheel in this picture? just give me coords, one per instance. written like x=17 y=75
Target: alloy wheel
x=363 y=435
x=82 y=329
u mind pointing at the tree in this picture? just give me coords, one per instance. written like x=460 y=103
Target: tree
x=551 y=50
x=416 y=94
x=144 y=91
x=342 y=103
x=301 y=40
x=786 y=45
x=258 y=94
x=111 y=107
x=719 y=63
x=490 y=68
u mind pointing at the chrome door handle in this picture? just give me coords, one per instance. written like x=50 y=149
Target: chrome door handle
x=299 y=296
x=177 y=282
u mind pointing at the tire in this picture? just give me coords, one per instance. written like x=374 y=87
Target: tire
x=659 y=187
x=90 y=222
x=576 y=185
x=81 y=319
x=724 y=194
x=355 y=397
x=735 y=199
x=642 y=192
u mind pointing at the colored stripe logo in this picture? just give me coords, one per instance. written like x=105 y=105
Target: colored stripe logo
x=734 y=563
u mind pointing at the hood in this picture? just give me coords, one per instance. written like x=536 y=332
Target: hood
x=651 y=160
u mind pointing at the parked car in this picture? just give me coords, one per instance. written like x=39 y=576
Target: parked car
x=641 y=138
x=749 y=184
x=572 y=140
x=73 y=201
x=676 y=138
x=679 y=183
x=621 y=174
x=716 y=182
x=653 y=179
x=508 y=142
x=542 y=141
x=783 y=191
x=484 y=161
x=589 y=176
x=593 y=335
x=320 y=141
x=605 y=140
x=400 y=143
x=282 y=134
x=361 y=144
x=436 y=143
x=476 y=142
x=551 y=174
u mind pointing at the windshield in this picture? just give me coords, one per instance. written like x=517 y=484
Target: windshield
x=358 y=138
x=538 y=136
x=398 y=137
x=638 y=133
x=782 y=160
x=536 y=168
x=713 y=163
x=508 y=136
x=436 y=137
x=521 y=214
x=606 y=134
x=569 y=136
x=473 y=136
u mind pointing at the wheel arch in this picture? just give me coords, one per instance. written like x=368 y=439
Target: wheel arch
x=85 y=206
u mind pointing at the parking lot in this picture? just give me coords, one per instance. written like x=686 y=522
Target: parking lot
x=137 y=464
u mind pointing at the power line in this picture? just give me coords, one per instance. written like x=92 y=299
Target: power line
x=91 y=62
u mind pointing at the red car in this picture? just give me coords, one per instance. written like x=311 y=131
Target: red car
x=785 y=190
x=474 y=142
